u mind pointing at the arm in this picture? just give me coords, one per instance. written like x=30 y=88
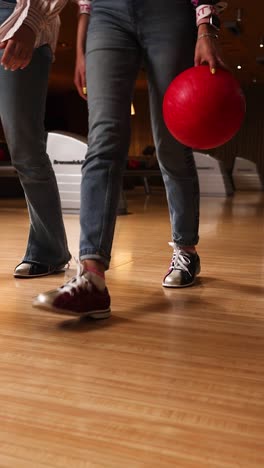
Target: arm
x=207 y=50
x=80 y=74
x=19 y=48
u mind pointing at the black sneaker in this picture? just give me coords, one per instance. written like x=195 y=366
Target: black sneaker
x=184 y=268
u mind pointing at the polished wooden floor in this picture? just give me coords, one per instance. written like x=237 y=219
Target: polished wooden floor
x=174 y=379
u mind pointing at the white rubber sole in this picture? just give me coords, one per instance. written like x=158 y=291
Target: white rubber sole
x=97 y=315
x=54 y=272
x=179 y=286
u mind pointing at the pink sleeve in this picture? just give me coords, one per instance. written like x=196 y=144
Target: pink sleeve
x=41 y=12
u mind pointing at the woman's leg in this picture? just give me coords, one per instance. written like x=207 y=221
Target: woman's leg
x=113 y=60
x=168 y=34
x=22 y=109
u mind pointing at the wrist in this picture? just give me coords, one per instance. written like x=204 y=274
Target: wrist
x=206 y=31
x=80 y=47
x=206 y=28
x=29 y=27
x=207 y=35
x=210 y=20
x=80 y=53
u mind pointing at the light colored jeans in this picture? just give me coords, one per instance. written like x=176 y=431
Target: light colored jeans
x=22 y=110
x=122 y=33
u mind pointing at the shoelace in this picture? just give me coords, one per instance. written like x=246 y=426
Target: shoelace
x=180 y=259
x=76 y=282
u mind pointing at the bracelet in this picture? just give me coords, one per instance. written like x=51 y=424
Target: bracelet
x=214 y=36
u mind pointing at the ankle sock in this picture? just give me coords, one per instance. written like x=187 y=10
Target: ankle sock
x=96 y=277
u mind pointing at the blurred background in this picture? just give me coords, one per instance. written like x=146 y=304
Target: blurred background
x=242 y=41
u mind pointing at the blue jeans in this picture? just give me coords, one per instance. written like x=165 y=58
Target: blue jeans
x=121 y=34
x=22 y=110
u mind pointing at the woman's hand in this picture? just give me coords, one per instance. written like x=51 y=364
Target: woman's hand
x=80 y=65
x=80 y=75
x=19 y=49
x=207 y=49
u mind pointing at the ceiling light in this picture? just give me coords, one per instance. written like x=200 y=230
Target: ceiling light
x=239 y=67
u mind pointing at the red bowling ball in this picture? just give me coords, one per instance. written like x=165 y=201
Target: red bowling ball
x=202 y=110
